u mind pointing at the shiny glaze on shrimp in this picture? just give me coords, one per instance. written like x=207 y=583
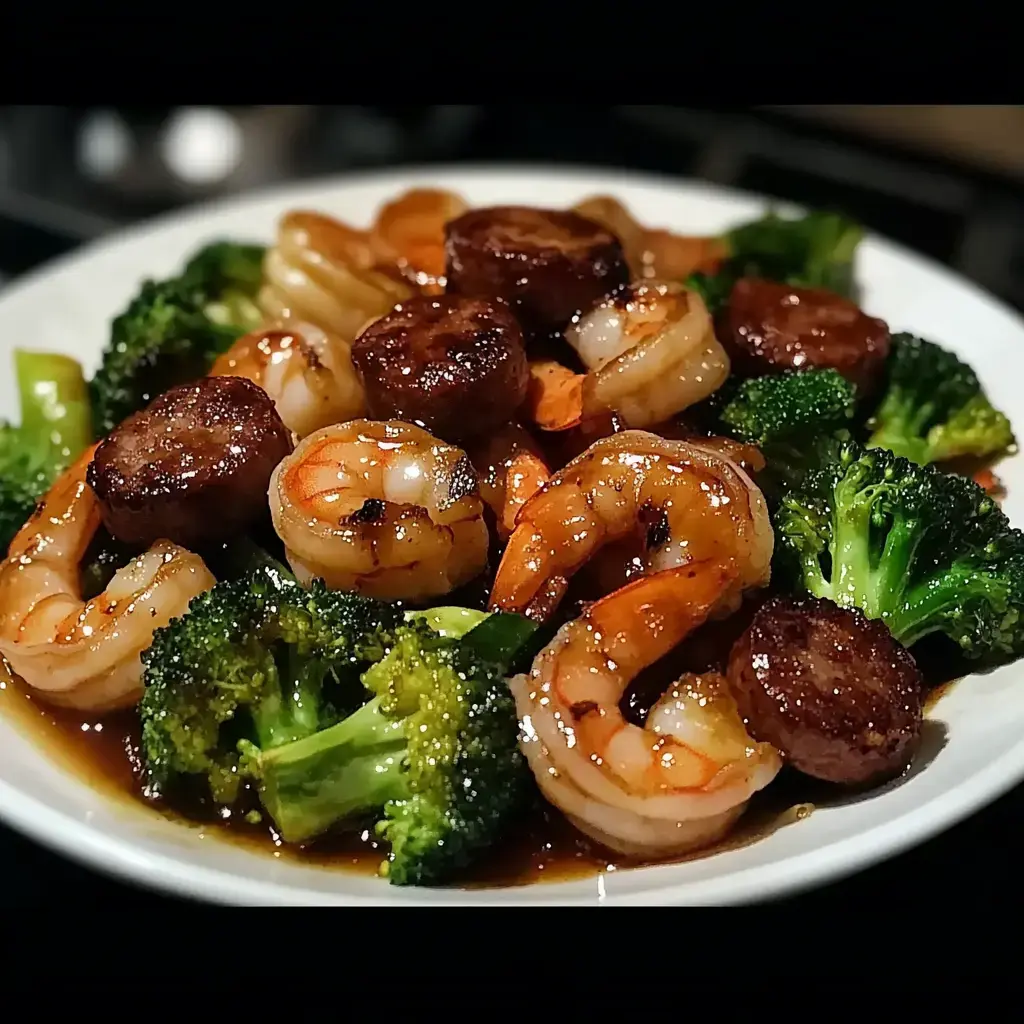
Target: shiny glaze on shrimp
x=675 y=784
x=686 y=502
x=85 y=654
x=654 y=253
x=409 y=233
x=306 y=371
x=650 y=353
x=323 y=272
x=382 y=508
x=510 y=469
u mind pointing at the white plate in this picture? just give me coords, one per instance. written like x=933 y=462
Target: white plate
x=67 y=307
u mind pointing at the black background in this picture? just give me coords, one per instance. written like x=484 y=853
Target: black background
x=970 y=221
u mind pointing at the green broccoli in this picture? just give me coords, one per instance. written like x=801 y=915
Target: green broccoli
x=925 y=551
x=933 y=408
x=788 y=407
x=254 y=683
x=450 y=620
x=434 y=755
x=173 y=330
x=56 y=427
x=790 y=416
x=813 y=251
x=228 y=275
x=259 y=648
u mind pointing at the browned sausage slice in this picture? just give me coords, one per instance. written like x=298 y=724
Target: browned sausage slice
x=771 y=327
x=830 y=689
x=452 y=364
x=548 y=264
x=193 y=467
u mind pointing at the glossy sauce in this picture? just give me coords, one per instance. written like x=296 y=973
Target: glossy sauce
x=542 y=846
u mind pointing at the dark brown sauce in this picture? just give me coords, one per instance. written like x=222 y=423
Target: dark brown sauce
x=936 y=693
x=542 y=847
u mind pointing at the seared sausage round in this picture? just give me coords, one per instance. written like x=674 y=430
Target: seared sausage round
x=454 y=364
x=193 y=467
x=770 y=327
x=548 y=264
x=831 y=690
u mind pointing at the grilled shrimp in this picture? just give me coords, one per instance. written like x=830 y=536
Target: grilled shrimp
x=323 y=272
x=675 y=784
x=510 y=469
x=382 y=508
x=306 y=371
x=409 y=233
x=85 y=654
x=654 y=253
x=685 y=502
x=651 y=352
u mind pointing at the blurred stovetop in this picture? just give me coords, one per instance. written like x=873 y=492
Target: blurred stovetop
x=70 y=174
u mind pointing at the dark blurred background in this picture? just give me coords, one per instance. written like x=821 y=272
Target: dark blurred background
x=945 y=180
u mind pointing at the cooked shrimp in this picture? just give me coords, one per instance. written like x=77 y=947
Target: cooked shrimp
x=651 y=353
x=307 y=372
x=687 y=503
x=678 y=782
x=409 y=233
x=323 y=272
x=511 y=470
x=654 y=253
x=748 y=457
x=85 y=654
x=382 y=508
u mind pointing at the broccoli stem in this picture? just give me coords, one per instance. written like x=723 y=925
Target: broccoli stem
x=902 y=427
x=449 y=620
x=54 y=403
x=290 y=710
x=852 y=577
x=351 y=768
x=235 y=309
x=858 y=580
x=923 y=609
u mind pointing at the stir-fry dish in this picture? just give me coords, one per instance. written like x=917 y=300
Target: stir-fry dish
x=413 y=533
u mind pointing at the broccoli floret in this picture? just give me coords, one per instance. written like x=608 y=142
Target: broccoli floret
x=173 y=330
x=56 y=427
x=258 y=658
x=813 y=251
x=933 y=408
x=253 y=683
x=793 y=417
x=925 y=551
x=789 y=407
x=228 y=275
x=433 y=755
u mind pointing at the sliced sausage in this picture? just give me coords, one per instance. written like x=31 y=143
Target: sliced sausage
x=454 y=364
x=548 y=264
x=770 y=327
x=193 y=467
x=828 y=688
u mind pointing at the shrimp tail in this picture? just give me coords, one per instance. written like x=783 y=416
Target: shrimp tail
x=662 y=607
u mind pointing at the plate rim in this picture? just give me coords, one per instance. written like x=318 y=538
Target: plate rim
x=127 y=862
